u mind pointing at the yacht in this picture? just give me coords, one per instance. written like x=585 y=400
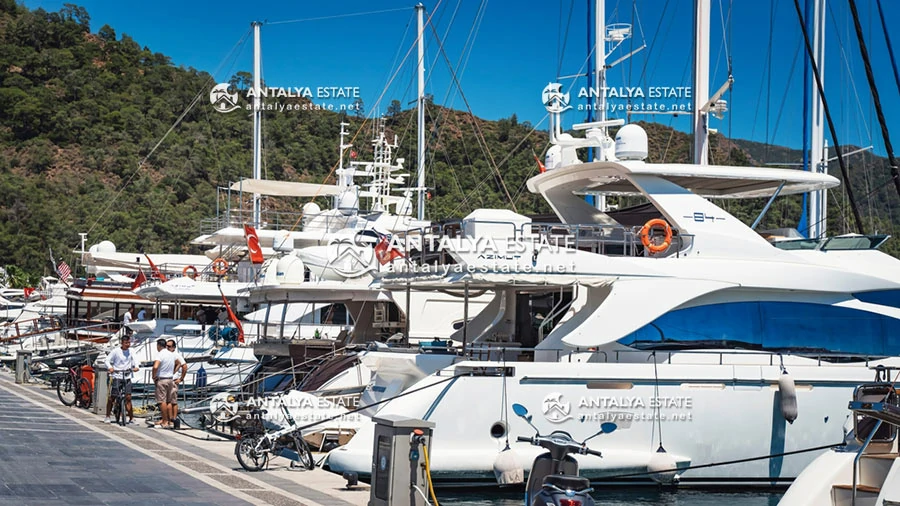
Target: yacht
x=692 y=332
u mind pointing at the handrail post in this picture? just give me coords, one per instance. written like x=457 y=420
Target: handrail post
x=858 y=456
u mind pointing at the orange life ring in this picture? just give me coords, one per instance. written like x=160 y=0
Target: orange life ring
x=645 y=235
x=190 y=271
x=220 y=266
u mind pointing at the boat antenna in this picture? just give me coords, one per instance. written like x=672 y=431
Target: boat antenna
x=420 y=131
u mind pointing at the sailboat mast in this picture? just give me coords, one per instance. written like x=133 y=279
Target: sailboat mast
x=420 y=154
x=600 y=68
x=701 y=81
x=257 y=121
x=818 y=159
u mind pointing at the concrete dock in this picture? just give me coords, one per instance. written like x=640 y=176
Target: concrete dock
x=51 y=454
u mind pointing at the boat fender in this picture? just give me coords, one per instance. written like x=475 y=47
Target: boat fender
x=662 y=467
x=788 y=397
x=507 y=468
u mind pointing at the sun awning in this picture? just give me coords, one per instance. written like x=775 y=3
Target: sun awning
x=285 y=188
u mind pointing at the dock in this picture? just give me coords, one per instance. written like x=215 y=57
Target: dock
x=56 y=455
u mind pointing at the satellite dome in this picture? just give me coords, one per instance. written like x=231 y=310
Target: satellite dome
x=311 y=208
x=631 y=143
x=103 y=247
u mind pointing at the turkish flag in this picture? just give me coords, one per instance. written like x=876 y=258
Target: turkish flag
x=138 y=281
x=385 y=253
x=256 y=255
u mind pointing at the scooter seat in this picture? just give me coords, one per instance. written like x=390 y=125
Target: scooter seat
x=565 y=482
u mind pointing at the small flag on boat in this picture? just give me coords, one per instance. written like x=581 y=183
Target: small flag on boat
x=385 y=251
x=541 y=166
x=139 y=280
x=252 y=237
x=63 y=270
x=155 y=270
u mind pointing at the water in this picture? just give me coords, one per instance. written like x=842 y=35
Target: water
x=624 y=497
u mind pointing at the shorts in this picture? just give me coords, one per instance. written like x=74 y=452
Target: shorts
x=165 y=391
x=120 y=383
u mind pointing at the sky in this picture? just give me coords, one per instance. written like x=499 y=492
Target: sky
x=505 y=52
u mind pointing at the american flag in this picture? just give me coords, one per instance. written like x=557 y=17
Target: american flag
x=63 y=270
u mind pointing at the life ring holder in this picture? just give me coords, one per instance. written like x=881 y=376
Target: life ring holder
x=645 y=235
x=220 y=266
x=189 y=272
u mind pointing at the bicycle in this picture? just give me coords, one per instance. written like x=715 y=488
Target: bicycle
x=119 y=407
x=255 y=445
x=74 y=388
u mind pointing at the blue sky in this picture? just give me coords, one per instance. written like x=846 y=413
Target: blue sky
x=516 y=52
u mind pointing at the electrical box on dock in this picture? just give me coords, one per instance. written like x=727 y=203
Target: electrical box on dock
x=398 y=470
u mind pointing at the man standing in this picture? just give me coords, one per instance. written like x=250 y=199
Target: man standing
x=163 y=371
x=142 y=314
x=180 y=366
x=128 y=316
x=121 y=364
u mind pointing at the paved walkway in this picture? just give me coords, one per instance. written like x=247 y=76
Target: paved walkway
x=51 y=454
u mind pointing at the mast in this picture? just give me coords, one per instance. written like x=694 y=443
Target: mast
x=701 y=81
x=420 y=153
x=257 y=121
x=819 y=158
x=600 y=68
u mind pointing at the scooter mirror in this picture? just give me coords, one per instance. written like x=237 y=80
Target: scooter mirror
x=608 y=427
x=521 y=410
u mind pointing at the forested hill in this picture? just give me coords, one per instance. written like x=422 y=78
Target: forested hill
x=81 y=109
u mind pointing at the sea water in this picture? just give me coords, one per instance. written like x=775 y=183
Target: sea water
x=625 y=497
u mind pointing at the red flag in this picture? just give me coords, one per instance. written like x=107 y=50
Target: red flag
x=385 y=251
x=233 y=317
x=139 y=280
x=540 y=164
x=256 y=255
x=156 y=272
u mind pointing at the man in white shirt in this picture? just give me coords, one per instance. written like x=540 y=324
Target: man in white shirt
x=163 y=372
x=128 y=316
x=180 y=367
x=121 y=364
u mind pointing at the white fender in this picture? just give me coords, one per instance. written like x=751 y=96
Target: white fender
x=788 y=397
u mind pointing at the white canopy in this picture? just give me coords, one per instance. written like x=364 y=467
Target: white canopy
x=285 y=188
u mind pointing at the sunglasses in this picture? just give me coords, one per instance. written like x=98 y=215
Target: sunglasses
x=169 y=346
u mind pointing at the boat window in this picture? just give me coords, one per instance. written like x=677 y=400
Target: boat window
x=854 y=242
x=793 y=244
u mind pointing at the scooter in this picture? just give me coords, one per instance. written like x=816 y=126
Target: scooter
x=554 y=479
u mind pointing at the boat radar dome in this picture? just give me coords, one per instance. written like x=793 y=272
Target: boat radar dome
x=631 y=143
x=311 y=209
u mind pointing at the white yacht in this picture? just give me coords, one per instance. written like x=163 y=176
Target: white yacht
x=678 y=331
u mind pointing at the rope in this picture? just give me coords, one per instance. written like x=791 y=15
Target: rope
x=336 y=16
x=729 y=462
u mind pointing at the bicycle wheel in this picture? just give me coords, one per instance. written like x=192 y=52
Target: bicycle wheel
x=306 y=456
x=247 y=455
x=84 y=393
x=118 y=409
x=65 y=390
x=123 y=412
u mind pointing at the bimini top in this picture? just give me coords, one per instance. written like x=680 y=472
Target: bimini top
x=285 y=188
x=710 y=181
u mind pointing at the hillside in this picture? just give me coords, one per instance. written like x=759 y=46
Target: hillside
x=83 y=112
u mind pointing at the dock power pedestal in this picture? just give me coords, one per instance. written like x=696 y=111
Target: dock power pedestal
x=398 y=467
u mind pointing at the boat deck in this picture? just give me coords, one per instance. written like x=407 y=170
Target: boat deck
x=54 y=455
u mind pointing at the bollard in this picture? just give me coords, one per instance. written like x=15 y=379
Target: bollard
x=101 y=385
x=23 y=362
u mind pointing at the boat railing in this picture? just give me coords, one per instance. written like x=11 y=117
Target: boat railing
x=614 y=240
x=510 y=350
